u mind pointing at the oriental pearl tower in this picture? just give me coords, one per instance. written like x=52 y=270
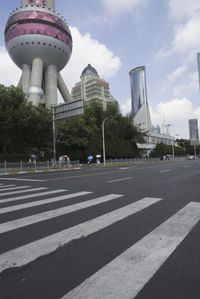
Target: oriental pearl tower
x=40 y=43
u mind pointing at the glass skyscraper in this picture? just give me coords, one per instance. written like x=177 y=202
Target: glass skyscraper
x=198 y=61
x=193 y=130
x=140 y=109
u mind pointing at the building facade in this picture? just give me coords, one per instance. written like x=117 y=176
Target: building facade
x=92 y=88
x=139 y=103
x=198 y=62
x=193 y=131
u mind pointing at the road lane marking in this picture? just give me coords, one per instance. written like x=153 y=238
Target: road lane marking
x=12 y=188
x=16 y=179
x=31 y=251
x=32 y=195
x=22 y=191
x=42 y=202
x=15 y=224
x=166 y=170
x=138 y=168
x=118 y=180
x=6 y=186
x=126 y=275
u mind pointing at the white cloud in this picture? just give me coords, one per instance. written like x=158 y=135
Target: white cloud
x=190 y=84
x=126 y=107
x=119 y=7
x=185 y=42
x=85 y=50
x=186 y=39
x=176 y=74
x=176 y=112
x=183 y=8
x=186 y=30
x=181 y=82
x=10 y=73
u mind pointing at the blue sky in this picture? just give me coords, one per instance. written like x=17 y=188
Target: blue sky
x=118 y=35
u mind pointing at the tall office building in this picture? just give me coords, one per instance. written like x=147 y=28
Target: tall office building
x=92 y=88
x=193 y=131
x=198 y=61
x=141 y=113
x=140 y=108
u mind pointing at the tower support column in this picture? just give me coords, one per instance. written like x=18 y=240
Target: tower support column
x=63 y=89
x=35 y=91
x=19 y=85
x=51 y=86
x=26 y=77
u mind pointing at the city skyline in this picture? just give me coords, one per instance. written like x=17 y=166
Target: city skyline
x=116 y=36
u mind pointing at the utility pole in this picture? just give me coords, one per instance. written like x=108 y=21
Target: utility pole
x=54 y=135
x=103 y=138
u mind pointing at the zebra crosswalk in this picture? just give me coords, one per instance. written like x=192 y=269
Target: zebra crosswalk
x=122 y=277
x=141 y=261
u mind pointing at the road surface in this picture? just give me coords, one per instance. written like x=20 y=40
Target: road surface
x=117 y=233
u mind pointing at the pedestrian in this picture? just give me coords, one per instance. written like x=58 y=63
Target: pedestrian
x=29 y=162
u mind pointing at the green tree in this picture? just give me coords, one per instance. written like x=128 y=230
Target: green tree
x=83 y=136
x=23 y=127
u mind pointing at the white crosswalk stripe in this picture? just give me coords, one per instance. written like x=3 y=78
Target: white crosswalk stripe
x=12 y=188
x=22 y=191
x=127 y=274
x=42 y=202
x=6 y=186
x=28 y=253
x=32 y=195
x=141 y=261
x=11 y=225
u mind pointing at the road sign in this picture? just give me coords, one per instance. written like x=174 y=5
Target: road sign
x=68 y=110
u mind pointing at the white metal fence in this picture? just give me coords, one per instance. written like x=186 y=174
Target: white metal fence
x=27 y=167
x=24 y=167
x=131 y=161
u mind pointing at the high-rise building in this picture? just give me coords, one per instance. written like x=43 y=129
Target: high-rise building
x=92 y=88
x=141 y=113
x=40 y=43
x=140 y=108
x=198 y=61
x=193 y=131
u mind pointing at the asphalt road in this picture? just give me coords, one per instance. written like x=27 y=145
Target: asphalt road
x=120 y=232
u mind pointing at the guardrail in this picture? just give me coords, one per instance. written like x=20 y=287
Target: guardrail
x=25 y=167
x=131 y=161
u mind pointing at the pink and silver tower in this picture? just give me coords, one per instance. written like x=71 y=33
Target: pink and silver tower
x=39 y=42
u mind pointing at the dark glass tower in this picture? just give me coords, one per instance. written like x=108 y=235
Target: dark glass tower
x=140 y=108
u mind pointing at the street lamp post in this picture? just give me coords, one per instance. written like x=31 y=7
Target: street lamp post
x=54 y=135
x=173 y=149
x=103 y=138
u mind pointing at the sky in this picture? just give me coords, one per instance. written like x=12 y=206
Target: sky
x=115 y=36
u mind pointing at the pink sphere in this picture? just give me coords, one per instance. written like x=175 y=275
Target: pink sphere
x=37 y=31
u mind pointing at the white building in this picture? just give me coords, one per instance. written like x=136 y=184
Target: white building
x=92 y=88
